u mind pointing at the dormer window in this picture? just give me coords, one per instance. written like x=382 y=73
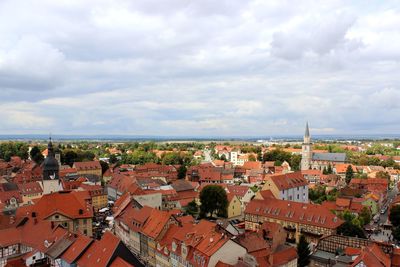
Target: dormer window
x=173 y=246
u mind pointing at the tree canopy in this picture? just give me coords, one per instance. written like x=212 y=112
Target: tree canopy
x=394 y=215
x=213 y=201
x=303 y=250
x=349 y=174
x=10 y=149
x=350 y=229
x=36 y=155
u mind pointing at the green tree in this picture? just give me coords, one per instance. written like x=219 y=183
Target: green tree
x=252 y=157
x=182 y=172
x=349 y=174
x=192 y=208
x=365 y=215
x=223 y=157
x=213 y=201
x=329 y=170
x=396 y=233
x=394 y=216
x=36 y=155
x=295 y=162
x=350 y=229
x=69 y=157
x=104 y=166
x=303 y=250
x=113 y=159
x=383 y=175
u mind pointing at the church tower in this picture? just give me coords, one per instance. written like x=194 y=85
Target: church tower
x=51 y=182
x=306 y=152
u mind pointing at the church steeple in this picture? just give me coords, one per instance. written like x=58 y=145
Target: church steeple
x=50 y=148
x=306 y=152
x=307 y=134
x=307 y=137
x=50 y=164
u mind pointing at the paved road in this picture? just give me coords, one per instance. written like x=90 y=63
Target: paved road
x=391 y=195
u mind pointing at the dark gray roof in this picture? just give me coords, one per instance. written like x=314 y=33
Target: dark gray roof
x=8 y=187
x=182 y=185
x=337 y=157
x=59 y=247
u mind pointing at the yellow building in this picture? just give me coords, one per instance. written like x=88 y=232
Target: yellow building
x=234 y=206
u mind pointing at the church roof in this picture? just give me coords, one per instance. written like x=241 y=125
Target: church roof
x=338 y=157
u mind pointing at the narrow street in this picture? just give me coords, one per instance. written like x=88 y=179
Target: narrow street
x=382 y=234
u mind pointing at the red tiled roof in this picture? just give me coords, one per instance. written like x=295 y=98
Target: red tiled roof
x=373 y=256
x=288 y=180
x=284 y=256
x=119 y=262
x=76 y=249
x=350 y=251
x=238 y=190
x=155 y=223
x=343 y=202
x=342 y=167
x=311 y=214
x=250 y=165
x=134 y=218
x=72 y=204
x=100 y=252
x=266 y=194
x=30 y=188
x=87 y=165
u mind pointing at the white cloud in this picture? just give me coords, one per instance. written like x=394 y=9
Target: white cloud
x=199 y=67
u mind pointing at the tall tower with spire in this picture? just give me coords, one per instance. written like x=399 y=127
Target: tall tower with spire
x=51 y=182
x=306 y=152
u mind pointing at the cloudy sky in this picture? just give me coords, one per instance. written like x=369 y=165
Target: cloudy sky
x=199 y=68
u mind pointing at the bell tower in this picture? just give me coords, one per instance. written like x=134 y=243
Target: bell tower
x=306 y=152
x=51 y=182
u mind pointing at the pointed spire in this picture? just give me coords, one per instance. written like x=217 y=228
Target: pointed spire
x=50 y=150
x=307 y=134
